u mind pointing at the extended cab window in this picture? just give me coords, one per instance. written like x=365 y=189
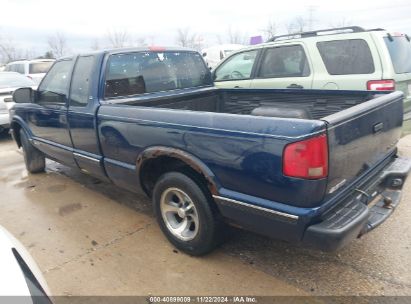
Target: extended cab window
x=239 y=66
x=345 y=57
x=284 y=61
x=80 y=84
x=147 y=72
x=54 y=87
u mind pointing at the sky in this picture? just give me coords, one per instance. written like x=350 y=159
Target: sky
x=29 y=23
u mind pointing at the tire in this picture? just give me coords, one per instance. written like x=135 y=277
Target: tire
x=33 y=158
x=194 y=228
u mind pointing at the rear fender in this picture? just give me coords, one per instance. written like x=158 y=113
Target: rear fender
x=189 y=159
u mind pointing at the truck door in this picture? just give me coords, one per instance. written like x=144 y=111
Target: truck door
x=47 y=119
x=83 y=105
x=284 y=67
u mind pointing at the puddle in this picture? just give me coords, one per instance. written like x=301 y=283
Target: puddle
x=56 y=188
x=70 y=208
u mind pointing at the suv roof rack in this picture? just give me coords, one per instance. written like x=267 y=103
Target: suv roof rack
x=333 y=31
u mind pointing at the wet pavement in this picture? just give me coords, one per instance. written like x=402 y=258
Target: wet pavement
x=92 y=238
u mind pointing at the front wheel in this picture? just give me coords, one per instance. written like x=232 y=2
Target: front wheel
x=33 y=158
x=185 y=215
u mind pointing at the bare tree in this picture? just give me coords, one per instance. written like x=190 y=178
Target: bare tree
x=343 y=22
x=58 y=44
x=236 y=37
x=8 y=50
x=118 y=38
x=297 y=25
x=185 y=38
x=300 y=24
x=269 y=30
x=95 y=45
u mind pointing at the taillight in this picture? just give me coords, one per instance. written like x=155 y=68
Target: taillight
x=381 y=85
x=306 y=159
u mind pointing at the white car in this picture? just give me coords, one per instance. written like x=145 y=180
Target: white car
x=9 y=82
x=33 y=69
x=20 y=275
x=214 y=54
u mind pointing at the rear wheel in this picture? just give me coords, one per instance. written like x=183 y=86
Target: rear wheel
x=184 y=213
x=33 y=158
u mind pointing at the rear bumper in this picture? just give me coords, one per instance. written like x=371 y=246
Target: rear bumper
x=362 y=212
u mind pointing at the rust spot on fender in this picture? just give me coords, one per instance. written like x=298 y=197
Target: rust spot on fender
x=181 y=155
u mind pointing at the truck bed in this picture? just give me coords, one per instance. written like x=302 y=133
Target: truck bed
x=315 y=104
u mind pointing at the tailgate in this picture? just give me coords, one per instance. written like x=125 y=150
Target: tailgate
x=361 y=137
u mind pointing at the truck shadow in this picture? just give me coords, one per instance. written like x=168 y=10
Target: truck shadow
x=5 y=137
x=352 y=270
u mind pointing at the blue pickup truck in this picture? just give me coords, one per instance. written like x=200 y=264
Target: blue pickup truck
x=314 y=167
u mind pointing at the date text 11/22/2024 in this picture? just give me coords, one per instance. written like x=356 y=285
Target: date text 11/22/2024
x=203 y=299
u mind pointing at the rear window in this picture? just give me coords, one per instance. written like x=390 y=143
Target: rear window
x=147 y=72
x=40 y=67
x=400 y=52
x=345 y=57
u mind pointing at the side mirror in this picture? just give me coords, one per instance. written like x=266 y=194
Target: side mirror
x=23 y=95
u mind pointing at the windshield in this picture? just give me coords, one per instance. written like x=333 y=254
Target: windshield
x=400 y=52
x=40 y=67
x=14 y=80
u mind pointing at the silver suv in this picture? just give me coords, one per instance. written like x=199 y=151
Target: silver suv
x=349 y=58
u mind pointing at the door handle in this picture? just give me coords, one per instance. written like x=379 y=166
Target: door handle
x=237 y=87
x=295 y=86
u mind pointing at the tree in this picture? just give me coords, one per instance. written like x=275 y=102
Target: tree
x=297 y=25
x=118 y=38
x=341 y=23
x=236 y=37
x=95 y=45
x=58 y=44
x=185 y=38
x=269 y=30
x=8 y=50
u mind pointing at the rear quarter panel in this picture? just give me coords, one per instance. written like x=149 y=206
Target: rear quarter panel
x=243 y=152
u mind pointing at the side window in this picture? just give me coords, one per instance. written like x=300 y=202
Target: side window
x=80 y=84
x=284 y=61
x=54 y=87
x=20 y=68
x=237 y=67
x=345 y=57
x=11 y=68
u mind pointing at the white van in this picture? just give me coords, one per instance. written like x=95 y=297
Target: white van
x=34 y=69
x=214 y=54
